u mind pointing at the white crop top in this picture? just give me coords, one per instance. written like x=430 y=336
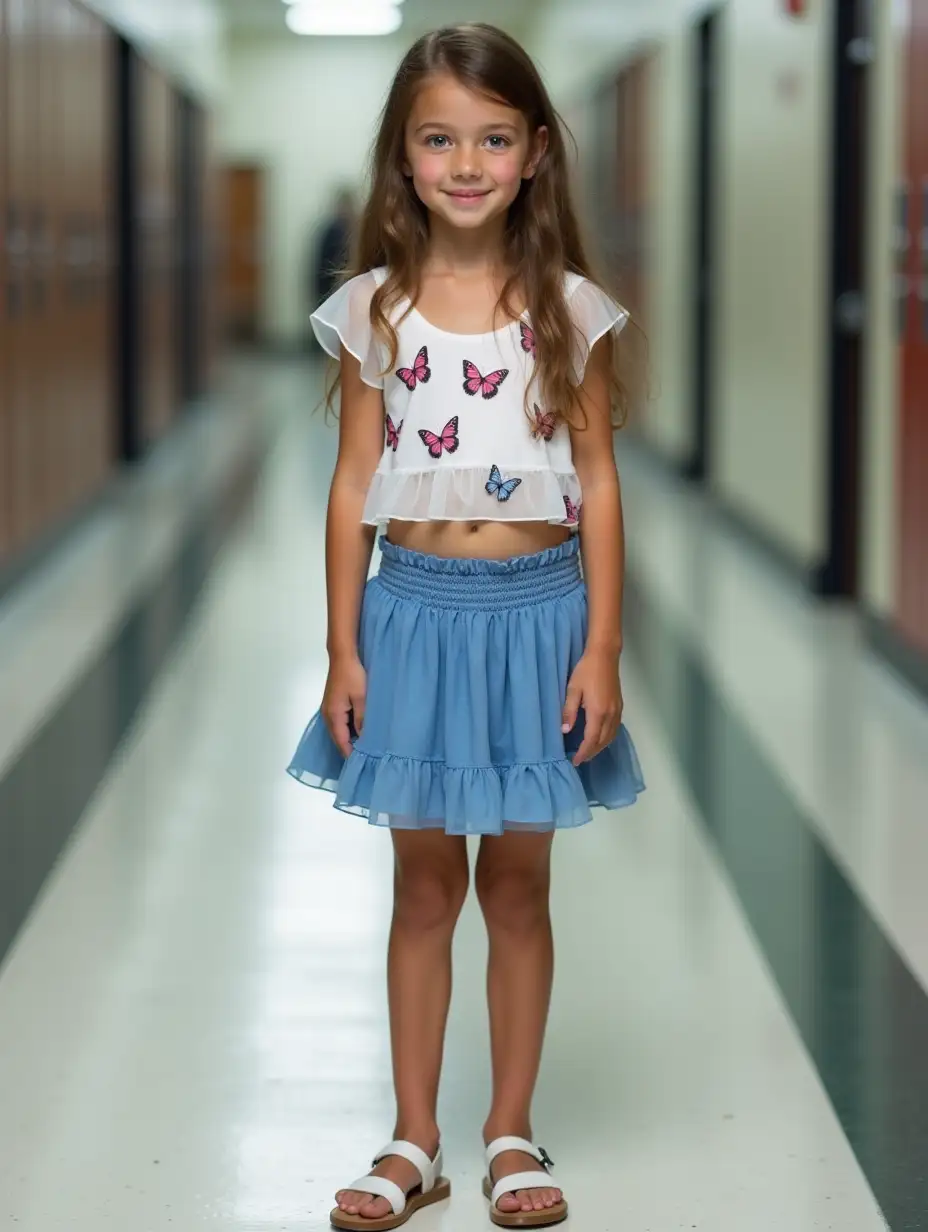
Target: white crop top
x=459 y=445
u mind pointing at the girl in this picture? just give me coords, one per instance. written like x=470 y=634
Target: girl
x=475 y=690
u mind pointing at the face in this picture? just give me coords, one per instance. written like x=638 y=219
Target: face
x=466 y=154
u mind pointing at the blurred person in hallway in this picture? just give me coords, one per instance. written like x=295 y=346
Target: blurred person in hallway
x=332 y=249
x=473 y=683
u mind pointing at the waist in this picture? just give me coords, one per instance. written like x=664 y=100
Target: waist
x=479 y=583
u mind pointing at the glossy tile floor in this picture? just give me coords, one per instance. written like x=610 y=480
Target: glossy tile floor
x=192 y=1016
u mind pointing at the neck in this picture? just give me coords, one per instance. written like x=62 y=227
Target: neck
x=454 y=250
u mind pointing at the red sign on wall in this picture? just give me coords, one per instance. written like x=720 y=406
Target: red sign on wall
x=796 y=8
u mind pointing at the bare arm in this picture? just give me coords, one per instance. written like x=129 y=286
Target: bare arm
x=348 y=547
x=595 y=681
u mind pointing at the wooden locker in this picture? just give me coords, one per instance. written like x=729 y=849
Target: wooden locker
x=101 y=249
x=22 y=172
x=5 y=442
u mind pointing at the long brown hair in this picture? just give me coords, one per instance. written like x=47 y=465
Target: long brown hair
x=542 y=238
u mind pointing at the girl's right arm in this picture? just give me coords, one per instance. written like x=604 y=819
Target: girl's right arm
x=348 y=548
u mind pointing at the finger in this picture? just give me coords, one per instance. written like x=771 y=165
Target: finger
x=338 y=729
x=590 y=734
x=571 y=707
x=357 y=709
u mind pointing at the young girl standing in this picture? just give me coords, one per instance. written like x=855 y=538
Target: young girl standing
x=473 y=683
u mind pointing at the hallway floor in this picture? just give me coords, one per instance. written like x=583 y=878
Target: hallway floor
x=192 y=1014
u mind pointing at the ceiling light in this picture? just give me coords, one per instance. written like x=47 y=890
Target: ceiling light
x=371 y=17
x=339 y=5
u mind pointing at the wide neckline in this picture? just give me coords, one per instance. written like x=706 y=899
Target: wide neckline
x=492 y=333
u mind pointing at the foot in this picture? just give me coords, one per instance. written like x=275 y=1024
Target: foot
x=396 y=1169
x=508 y=1164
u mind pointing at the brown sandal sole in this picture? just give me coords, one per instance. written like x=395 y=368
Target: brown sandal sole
x=415 y=1202
x=524 y=1219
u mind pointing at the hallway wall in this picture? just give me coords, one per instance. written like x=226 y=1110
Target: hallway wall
x=288 y=109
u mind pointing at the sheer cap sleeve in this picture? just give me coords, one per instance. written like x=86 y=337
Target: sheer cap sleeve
x=344 y=319
x=594 y=314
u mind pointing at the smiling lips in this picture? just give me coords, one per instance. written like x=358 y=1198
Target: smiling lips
x=469 y=194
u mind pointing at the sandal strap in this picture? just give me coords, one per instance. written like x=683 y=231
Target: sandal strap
x=520 y=1180
x=428 y=1169
x=499 y=1145
x=380 y=1187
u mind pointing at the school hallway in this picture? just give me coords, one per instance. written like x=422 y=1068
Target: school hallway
x=193 y=1025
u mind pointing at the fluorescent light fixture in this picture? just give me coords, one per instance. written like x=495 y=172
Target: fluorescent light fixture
x=339 y=5
x=357 y=17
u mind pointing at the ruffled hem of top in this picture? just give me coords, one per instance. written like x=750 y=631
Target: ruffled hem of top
x=466 y=565
x=460 y=493
x=406 y=793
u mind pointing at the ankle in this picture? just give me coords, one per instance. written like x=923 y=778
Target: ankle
x=423 y=1134
x=515 y=1126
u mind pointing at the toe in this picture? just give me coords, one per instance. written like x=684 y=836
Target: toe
x=377 y=1208
x=509 y=1203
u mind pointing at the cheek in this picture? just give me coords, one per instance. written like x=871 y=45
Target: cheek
x=427 y=169
x=507 y=169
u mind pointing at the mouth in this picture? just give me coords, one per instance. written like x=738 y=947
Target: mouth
x=468 y=196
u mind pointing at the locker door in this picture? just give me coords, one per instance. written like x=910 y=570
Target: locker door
x=5 y=442
x=913 y=456
x=22 y=169
x=99 y=60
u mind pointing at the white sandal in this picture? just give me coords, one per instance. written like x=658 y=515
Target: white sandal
x=434 y=1188
x=521 y=1180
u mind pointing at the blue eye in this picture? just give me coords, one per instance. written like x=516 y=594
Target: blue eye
x=430 y=141
x=503 y=142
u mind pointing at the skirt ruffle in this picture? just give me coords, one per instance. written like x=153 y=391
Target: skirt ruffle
x=468 y=663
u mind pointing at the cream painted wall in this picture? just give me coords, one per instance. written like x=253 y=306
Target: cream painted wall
x=307 y=111
x=770 y=396
x=880 y=428
x=182 y=36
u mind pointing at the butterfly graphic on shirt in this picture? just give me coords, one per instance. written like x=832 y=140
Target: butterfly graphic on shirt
x=499 y=487
x=528 y=339
x=419 y=373
x=573 y=511
x=544 y=423
x=393 y=433
x=447 y=441
x=486 y=386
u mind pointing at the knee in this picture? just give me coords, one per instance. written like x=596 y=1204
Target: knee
x=429 y=898
x=514 y=899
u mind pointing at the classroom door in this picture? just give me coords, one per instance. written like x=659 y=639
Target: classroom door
x=912 y=607
x=244 y=195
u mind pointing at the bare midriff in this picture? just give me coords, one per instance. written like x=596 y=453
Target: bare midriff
x=476 y=539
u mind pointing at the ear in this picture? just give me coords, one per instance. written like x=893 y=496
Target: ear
x=539 y=148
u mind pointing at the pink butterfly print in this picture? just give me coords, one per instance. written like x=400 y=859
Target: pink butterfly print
x=528 y=339
x=544 y=424
x=393 y=433
x=419 y=373
x=448 y=441
x=486 y=386
x=573 y=511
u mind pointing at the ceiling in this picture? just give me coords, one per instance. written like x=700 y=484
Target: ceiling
x=266 y=17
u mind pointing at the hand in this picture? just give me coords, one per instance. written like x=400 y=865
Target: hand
x=594 y=684
x=345 y=693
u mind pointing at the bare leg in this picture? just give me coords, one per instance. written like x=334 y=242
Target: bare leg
x=513 y=879
x=431 y=880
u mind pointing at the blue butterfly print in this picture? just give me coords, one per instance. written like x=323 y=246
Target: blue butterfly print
x=500 y=488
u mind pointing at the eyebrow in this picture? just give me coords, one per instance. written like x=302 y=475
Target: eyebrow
x=487 y=128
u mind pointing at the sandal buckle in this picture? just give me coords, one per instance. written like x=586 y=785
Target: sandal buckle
x=545 y=1157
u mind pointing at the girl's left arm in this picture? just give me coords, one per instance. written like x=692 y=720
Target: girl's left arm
x=594 y=683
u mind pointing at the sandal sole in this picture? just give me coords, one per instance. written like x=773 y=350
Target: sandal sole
x=524 y=1219
x=442 y=1190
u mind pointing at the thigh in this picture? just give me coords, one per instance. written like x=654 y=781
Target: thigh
x=517 y=851
x=443 y=854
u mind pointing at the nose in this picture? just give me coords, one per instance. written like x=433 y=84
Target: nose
x=464 y=163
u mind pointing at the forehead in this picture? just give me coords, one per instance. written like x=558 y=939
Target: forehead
x=442 y=99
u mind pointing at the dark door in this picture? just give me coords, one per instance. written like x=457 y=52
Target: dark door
x=852 y=56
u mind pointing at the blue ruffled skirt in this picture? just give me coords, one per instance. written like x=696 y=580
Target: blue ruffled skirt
x=467 y=667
